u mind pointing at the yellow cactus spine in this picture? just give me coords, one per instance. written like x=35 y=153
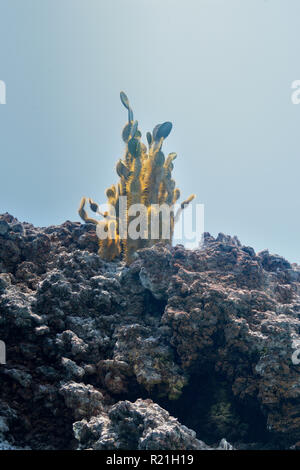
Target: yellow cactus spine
x=146 y=179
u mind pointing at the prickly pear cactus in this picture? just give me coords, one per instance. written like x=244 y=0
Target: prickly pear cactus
x=145 y=178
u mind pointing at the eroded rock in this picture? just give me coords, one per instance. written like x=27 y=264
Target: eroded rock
x=90 y=341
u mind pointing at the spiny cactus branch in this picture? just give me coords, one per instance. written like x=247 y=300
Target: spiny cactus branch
x=145 y=178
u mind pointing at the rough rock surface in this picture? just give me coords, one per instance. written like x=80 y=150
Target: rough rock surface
x=103 y=356
x=142 y=425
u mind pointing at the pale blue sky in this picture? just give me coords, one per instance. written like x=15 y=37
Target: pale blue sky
x=221 y=71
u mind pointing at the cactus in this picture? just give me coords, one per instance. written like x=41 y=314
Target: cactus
x=145 y=178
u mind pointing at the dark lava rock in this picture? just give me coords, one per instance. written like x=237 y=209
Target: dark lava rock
x=179 y=348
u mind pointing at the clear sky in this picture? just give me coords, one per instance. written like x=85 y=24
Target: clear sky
x=220 y=70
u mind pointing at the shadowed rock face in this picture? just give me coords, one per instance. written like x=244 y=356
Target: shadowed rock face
x=104 y=356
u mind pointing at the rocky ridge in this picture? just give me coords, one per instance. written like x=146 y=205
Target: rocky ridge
x=178 y=351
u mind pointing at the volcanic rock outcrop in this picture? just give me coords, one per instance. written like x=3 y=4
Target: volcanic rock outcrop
x=180 y=348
